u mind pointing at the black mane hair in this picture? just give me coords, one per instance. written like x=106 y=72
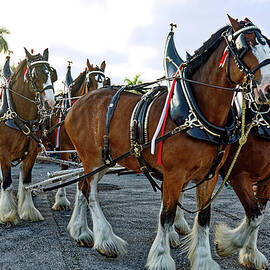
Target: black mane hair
x=203 y=53
x=76 y=84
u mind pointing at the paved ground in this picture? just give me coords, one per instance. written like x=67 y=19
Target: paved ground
x=131 y=207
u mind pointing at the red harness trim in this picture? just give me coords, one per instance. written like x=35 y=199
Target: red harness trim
x=1 y=92
x=73 y=101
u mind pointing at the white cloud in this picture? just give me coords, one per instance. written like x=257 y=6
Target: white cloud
x=94 y=28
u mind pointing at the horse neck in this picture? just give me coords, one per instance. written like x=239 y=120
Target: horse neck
x=214 y=103
x=81 y=90
x=23 y=107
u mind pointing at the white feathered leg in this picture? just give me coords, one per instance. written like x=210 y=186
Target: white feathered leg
x=159 y=257
x=229 y=241
x=26 y=207
x=8 y=212
x=78 y=226
x=198 y=247
x=105 y=241
x=61 y=201
x=250 y=256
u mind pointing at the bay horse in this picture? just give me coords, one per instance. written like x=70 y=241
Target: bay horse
x=26 y=100
x=252 y=167
x=88 y=80
x=85 y=125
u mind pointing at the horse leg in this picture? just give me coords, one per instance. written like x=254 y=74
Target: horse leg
x=61 y=201
x=105 y=241
x=26 y=207
x=159 y=257
x=78 y=226
x=8 y=213
x=250 y=256
x=243 y=237
x=180 y=224
x=197 y=242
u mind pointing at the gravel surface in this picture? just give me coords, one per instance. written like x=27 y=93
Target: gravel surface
x=131 y=207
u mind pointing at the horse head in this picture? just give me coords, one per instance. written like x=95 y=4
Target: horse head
x=41 y=75
x=251 y=52
x=95 y=76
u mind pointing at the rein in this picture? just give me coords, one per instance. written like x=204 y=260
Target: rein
x=125 y=155
x=242 y=141
x=22 y=96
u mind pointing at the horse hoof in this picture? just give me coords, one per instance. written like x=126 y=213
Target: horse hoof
x=10 y=224
x=85 y=243
x=219 y=251
x=61 y=208
x=182 y=231
x=107 y=254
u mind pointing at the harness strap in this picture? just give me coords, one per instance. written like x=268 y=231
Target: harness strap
x=260 y=65
x=110 y=112
x=116 y=160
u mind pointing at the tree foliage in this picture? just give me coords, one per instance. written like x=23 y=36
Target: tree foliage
x=134 y=81
x=3 y=42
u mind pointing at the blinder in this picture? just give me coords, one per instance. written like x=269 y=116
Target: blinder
x=241 y=45
x=53 y=74
x=99 y=77
x=32 y=75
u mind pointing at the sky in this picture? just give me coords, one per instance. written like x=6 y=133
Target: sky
x=129 y=35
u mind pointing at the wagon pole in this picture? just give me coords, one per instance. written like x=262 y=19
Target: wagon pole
x=63 y=178
x=59 y=161
x=60 y=152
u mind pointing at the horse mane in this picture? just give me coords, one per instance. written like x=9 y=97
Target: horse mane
x=76 y=84
x=17 y=71
x=203 y=53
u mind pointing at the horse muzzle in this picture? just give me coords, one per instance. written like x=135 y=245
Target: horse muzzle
x=48 y=95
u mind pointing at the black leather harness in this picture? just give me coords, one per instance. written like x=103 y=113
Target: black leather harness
x=14 y=121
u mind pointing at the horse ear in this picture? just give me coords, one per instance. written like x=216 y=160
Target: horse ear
x=234 y=23
x=28 y=54
x=46 y=54
x=103 y=66
x=247 y=19
x=89 y=66
x=87 y=63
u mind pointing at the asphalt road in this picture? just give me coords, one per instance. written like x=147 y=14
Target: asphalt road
x=131 y=207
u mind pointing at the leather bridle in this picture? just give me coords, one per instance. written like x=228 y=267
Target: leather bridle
x=237 y=47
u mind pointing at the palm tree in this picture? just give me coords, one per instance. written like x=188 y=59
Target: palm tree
x=135 y=80
x=3 y=42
